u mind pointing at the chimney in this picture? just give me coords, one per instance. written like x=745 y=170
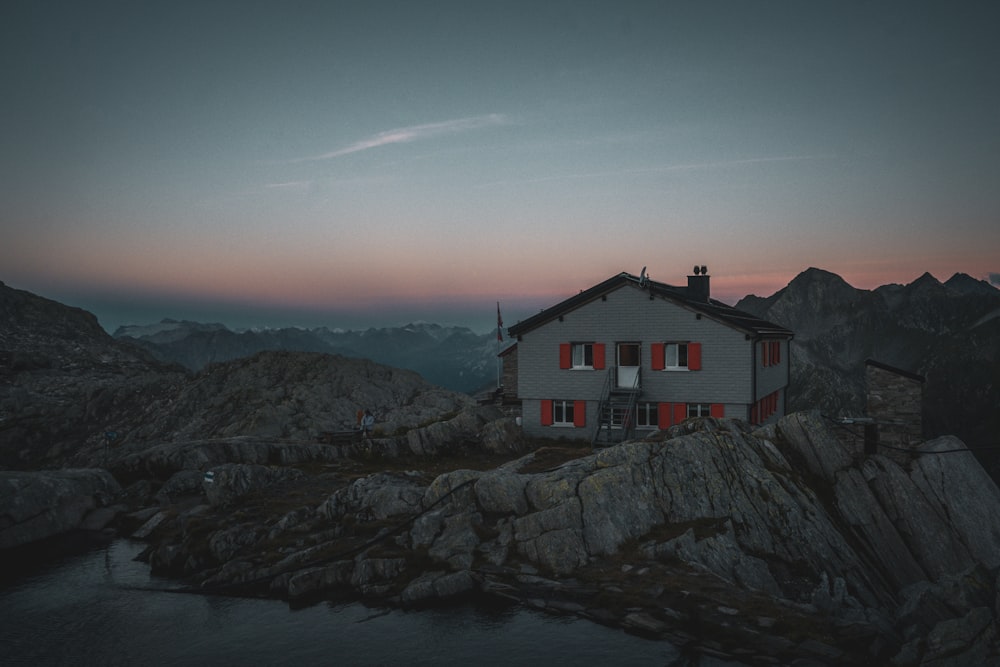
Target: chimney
x=698 y=288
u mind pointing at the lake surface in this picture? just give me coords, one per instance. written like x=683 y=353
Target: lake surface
x=81 y=603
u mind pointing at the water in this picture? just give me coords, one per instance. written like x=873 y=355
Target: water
x=77 y=606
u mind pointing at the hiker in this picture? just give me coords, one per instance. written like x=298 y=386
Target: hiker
x=366 y=424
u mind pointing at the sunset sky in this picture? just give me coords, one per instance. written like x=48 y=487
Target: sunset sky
x=373 y=163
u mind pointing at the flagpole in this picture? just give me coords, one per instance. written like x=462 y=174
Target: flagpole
x=499 y=339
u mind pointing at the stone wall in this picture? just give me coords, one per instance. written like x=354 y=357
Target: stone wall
x=894 y=399
x=508 y=359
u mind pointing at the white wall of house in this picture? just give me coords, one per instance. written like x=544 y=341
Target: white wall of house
x=628 y=314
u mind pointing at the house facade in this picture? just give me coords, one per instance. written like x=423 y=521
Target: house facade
x=631 y=355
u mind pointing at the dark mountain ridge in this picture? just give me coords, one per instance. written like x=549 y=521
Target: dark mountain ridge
x=942 y=331
x=454 y=358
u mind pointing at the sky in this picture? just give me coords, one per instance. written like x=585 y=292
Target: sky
x=358 y=164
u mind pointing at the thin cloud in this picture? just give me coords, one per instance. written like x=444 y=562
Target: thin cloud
x=289 y=185
x=674 y=167
x=404 y=135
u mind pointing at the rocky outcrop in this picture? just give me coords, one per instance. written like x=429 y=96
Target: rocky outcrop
x=699 y=524
x=64 y=383
x=450 y=433
x=227 y=483
x=37 y=505
x=72 y=395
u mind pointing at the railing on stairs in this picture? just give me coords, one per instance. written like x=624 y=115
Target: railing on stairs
x=616 y=401
x=628 y=423
x=603 y=407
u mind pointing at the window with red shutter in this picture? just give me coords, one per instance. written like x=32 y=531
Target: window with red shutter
x=694 y=356
x=680 y=412
x=565 y=355
x=665 y=414
x=657 y=356
x=598 y=356
x=546 y=412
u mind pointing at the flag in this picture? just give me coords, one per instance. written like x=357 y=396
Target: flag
x=499 y=324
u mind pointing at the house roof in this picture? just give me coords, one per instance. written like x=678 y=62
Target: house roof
x=716 y=310
x=893 y=369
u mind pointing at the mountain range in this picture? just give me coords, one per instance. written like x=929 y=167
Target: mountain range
x=949 y=333
x=451 y=357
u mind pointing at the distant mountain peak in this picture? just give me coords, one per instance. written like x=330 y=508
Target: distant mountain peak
x=812 y=276
x=926 y=278
x=963 y=283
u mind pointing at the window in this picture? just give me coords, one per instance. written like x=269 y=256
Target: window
x=563 y=413
x=770 y=353
x=676 y=356
x=647 y=415
x=675 y=413
x=581 y=355
x=764 y=408
x=699 y=410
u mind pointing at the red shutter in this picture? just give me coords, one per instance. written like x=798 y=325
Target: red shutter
x=658 y=356
x=718 y=410
x=680 y=412
x=565 y=355
x=694 y=356
x=546 y=412
x=579 y=413
x=777 y=352
x=763 y=354
x=753 y=413
x=664 y=414
x=598 y=356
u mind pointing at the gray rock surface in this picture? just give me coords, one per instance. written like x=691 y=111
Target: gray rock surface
x=36 y=505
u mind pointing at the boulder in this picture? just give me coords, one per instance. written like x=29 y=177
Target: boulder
x=36 y=505
x=224 y=484
x=377 y=496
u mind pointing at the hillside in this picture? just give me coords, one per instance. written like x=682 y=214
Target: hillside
x=65 y=384
x=948 y=332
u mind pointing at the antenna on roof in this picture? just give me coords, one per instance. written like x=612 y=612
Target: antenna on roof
x=642 y=277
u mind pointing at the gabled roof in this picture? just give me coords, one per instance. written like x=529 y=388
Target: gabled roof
x=893 y=369
x=711 y=308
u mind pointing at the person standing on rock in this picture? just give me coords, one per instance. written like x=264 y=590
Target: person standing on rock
x=366 y=424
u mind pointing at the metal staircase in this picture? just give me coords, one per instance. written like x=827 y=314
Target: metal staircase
x=616 y=411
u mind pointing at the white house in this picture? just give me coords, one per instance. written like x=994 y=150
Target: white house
x=631 y=355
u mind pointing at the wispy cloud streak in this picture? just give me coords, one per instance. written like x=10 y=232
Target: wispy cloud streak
x=404 y=135
x=289 y=185
x=667 y=168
